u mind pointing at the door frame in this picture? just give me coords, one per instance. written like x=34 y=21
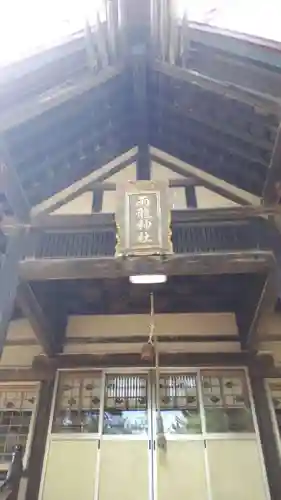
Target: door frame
x=152 y=453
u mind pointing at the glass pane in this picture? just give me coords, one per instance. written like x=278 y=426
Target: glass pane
x=275 y=390
x=16 y=409
x=226 y=402
x=78 y=403
x=125 y=405
x=178 y=401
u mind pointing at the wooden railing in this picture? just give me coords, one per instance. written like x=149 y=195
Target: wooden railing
x=194 y=237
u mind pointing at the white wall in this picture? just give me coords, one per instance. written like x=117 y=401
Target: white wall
x=205 y=197
x=179 y=325
x=80 y=205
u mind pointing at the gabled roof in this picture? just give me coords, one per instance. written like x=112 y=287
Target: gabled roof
x=215 y=108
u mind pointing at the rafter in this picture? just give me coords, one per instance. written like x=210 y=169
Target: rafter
x=79 y=187
x=44 y=331
x=250 y=97
x=205 y=179
x=58 y=96
x=11 y=186
x=272 y=187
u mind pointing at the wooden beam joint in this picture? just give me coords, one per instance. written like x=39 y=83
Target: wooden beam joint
x=43 y=328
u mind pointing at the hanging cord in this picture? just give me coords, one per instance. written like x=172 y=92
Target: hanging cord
x=161 y=440
x=152 y=323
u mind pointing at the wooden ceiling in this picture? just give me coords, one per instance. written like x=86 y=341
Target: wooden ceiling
x=221 y=117
x=181 y=294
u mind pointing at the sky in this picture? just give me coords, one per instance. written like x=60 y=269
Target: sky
x=255 y=17
x=27 y=26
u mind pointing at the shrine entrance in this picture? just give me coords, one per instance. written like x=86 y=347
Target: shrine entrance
x=189 y=433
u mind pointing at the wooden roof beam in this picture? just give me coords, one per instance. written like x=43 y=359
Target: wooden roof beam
x=173 y=183
x=178 y=264
x=11 y=186
x=272 y=187
x=68 y=194
x=43 y=329
x=253 y=98
x=219 y=186
x=55 y=97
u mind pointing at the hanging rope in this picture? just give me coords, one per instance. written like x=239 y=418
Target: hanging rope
x=152 y=323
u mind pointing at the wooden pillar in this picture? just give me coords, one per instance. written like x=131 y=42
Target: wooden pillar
x=39 y=440
x=267 y=435
x=9 y=280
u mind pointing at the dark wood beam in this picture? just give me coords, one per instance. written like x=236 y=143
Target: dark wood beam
x=258 y=364
x=265 y=304
x=220 y=65
x=37 y=451
x=248 y=47
x=173 y=183
x=25 y=374
x=11 y=186
x=68 y=194
x=60 y=95
x=250 y=97
x=177 y=264
x=267 y=435
x=9 y=280
x=216 y=188
x=272 y=187
x=97 y=199
x=87 y=221
x=190 y=197
x=43 y=328
x=227 y=214
x=139 y=71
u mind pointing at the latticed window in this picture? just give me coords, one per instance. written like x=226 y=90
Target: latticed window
x=125 y=405
x=78 y=402
x=178 y=401
x=196 y=402
x=17 y=409
x=226 y=402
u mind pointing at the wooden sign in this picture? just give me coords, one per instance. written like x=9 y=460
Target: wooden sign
x=143 y=219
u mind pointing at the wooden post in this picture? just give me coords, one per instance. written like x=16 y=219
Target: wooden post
x=267 y=435
x=37 y=452
x=9 y=280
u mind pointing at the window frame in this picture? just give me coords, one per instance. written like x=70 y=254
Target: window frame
x=173 y=370
x=276 y=431
x=21 y=386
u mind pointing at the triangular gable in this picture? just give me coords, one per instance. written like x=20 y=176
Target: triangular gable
x=84 y=185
